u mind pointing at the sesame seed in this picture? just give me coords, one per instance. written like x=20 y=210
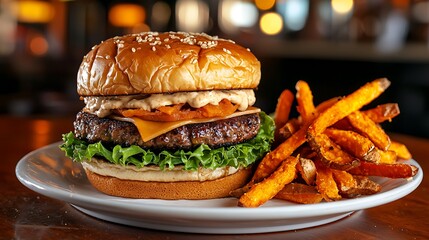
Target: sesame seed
x=226 y=50
x=172 y=36
x=154 y=48
x=133 y=49
x=167 y=46
x=107 y=56
x=139 y=39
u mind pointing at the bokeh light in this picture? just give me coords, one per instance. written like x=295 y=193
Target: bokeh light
x=192 y=15
x=38 y=45
x=243 y=14
x=264 y=4
x=34 y=11
x=294 y=12
x=271 y=23
x=342 y=6
x=126 y=15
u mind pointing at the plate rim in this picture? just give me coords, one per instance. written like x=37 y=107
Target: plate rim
x=217 y=213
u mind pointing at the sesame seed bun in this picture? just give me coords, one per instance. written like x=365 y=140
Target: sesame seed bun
x=149 y=63
x=137 y=87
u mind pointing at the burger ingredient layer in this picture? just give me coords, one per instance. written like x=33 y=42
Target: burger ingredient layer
x=242 y=154
x=153 y=173
x=214 y=134
x=102 y=106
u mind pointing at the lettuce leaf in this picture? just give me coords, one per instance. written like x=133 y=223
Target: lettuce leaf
x=242 y=154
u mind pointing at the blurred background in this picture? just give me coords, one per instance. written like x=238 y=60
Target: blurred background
x=334 y=45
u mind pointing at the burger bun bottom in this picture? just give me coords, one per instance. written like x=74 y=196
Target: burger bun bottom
x=218 y=188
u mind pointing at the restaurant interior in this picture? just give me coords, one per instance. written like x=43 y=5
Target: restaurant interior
x=334 y=45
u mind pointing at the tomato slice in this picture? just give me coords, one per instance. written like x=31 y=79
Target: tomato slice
x=180 y=112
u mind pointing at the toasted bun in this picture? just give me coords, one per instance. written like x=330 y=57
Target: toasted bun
x=149 y=63
x=218 y=188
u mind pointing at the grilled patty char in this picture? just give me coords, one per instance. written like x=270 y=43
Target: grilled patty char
x=225 y=132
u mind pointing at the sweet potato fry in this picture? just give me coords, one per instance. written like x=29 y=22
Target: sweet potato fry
x=364 y=125
x=307 y=170
x=284 y=105
x=263 y=191
x=288 y=129
x=354 y=143
x=299 y=193
x=305 y=151
x=348 y=104
x=384 y=112
x=327 y=104
x=273 y=159
x=331 y=154
x=343 y=124
x=398 y=170
x=401 y=150
x=364 y=186
x=325 y=182
x=345 y=181
x=304 y=97
x=387 y=157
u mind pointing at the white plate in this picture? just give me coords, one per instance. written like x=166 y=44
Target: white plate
x=48 y=172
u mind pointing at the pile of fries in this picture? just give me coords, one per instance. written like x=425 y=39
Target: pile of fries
x=329 y=151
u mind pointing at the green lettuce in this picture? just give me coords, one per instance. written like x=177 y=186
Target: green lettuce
x=242 y=154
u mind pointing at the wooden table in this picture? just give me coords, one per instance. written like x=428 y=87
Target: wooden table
x=25 y=214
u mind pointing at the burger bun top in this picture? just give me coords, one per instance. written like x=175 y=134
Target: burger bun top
x=151 y=63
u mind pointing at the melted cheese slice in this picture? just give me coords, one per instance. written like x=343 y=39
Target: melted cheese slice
x=150 y=129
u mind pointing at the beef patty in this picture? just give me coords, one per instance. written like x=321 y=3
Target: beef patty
x=111 y=132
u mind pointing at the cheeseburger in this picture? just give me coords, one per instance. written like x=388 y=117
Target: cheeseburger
x=168 y=116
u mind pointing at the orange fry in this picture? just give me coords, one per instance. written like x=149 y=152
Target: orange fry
x=401 y=150
x=299 y=193
x=263 y=191
x=364 y=125
x=331 y=154
x=345 y=181
x=273 y=159
x=348 y=104
x=384 y=112
x=327 y=104
x=364 y=186
x=288 y=129
x=307 y=170
x=325 y=182
x=354 y=143
x=284 y=105
x=304 y=97
x=398 y=170
x=387 y=157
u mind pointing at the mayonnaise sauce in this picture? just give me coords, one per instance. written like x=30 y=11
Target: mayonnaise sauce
x=154 y=173
x=102 y=106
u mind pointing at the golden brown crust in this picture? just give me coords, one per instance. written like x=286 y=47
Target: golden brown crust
x=149 y=63
x=169 y=190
